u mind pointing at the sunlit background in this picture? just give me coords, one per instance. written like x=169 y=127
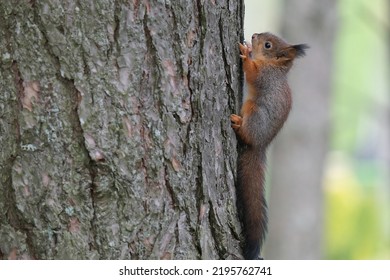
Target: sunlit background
x=356 y=184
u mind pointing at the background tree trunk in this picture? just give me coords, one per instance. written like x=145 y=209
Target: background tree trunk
x=298 y=155
x=115 y=132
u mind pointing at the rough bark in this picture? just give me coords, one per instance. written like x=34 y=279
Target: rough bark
x=115 y=131
x=298 y=155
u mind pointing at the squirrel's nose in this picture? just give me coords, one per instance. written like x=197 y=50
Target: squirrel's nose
x=254 y=36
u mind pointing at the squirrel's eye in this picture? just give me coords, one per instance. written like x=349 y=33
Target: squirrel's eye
x=267 y=45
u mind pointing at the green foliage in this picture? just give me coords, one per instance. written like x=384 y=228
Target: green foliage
x=354 y=215
x=359 y=69
x=357 y=210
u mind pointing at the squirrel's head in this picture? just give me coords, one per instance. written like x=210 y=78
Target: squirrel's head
x=266 y=46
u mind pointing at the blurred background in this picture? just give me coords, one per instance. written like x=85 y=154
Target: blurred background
x=329 y=183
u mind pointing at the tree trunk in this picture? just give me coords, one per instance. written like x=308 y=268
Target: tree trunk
x=298 y=155
x=115 y=131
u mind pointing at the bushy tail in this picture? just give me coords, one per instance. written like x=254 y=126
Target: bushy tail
x=251 y=199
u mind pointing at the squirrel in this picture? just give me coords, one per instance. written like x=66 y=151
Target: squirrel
x=265 y=109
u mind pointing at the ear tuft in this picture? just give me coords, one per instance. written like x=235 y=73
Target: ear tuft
x=300 y=49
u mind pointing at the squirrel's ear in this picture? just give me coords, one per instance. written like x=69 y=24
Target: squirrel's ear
x=292 y=52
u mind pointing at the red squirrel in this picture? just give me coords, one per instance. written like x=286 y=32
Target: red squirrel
x=263 y=113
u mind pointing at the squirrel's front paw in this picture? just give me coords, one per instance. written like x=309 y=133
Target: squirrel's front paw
x=236 y=121
x=244 y=51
